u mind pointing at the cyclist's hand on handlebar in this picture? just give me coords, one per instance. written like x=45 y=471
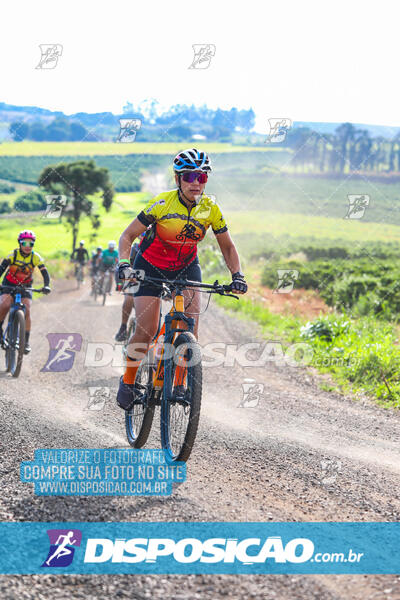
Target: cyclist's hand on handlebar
x=46 y=290
x=126 y=272
x=238 y=284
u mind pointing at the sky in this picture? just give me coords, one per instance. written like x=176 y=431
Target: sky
x=308 y=61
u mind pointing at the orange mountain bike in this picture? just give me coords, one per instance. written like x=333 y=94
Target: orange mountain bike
x=171 y=376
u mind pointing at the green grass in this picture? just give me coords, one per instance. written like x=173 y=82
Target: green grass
x=53 y=237
x=363 y=356
x=258 y=185
x=112 y=148
x=248 y=228
x=275 y=224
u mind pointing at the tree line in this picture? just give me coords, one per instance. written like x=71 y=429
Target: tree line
x=58 y=130
x=178 y=123
x=346 y=150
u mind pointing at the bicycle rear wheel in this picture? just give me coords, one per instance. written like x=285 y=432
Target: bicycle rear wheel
x=180 y=412
x=139 y=419
x=17 y=343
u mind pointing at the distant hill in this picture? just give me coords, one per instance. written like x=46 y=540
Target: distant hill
x=105 y=125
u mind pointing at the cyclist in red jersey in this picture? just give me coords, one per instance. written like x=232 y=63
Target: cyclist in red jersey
x=175 y=221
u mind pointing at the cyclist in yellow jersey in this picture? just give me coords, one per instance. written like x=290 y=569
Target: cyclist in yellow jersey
x=19 y=266
x=179 y=219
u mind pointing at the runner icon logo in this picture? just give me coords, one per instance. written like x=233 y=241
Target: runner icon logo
x=251 y=393
x=98 y=396
x=62 y=547
x=62 y=351
x=203 y=54
x=50 y=53
x=128 y=129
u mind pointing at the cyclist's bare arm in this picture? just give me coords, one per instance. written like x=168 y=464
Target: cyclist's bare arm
x=229 y=251
x=125 y=241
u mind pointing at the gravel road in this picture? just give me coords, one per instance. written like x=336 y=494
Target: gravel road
x=301 y=454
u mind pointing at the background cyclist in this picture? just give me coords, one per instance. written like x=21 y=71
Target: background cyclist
x=94 y=266
x=19 y=266
x=179 y=219
x=107 y=260
x=128 y=302
x=80 y=256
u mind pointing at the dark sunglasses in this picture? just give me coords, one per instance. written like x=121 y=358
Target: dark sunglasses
x=25 y=244
x=190 y=177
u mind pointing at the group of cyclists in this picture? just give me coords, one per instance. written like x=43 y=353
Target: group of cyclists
x=100 y=261
x=168 y=230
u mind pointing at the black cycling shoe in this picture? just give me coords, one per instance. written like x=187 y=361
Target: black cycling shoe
x=121 y=336
x=27 y=348
x=128 y=394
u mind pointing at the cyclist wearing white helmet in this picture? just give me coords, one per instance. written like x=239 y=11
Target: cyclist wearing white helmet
x=179 y=219
x=108 y=259
x=20 y=264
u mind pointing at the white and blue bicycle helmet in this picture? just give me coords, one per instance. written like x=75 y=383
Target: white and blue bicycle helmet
x=192 y=160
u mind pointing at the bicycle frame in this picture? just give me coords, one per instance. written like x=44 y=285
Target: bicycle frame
x=173 y=384
x=162 y=376
x=16 y=305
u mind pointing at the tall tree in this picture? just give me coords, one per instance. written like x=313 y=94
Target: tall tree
x=77 y=180
x=344 y=134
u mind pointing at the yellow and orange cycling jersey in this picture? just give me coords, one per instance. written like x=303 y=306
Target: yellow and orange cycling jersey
x=21 y=267
x=171 y=242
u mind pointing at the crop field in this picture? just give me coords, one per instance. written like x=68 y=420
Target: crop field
x=110 y=148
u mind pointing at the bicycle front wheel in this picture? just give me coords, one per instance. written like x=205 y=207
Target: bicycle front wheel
x=17 y=343
x=180 y=406
x=139 y=419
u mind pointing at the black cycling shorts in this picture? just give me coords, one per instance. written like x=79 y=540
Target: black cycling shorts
x=24 y=293
x=191 y=272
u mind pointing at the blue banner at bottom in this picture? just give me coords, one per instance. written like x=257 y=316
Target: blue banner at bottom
x=206 y=548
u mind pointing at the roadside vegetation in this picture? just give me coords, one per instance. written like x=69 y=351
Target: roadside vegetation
x=296 y=223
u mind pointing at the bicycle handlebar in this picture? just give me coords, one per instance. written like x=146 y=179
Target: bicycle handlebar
x=215 y=288
x=20 y=288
